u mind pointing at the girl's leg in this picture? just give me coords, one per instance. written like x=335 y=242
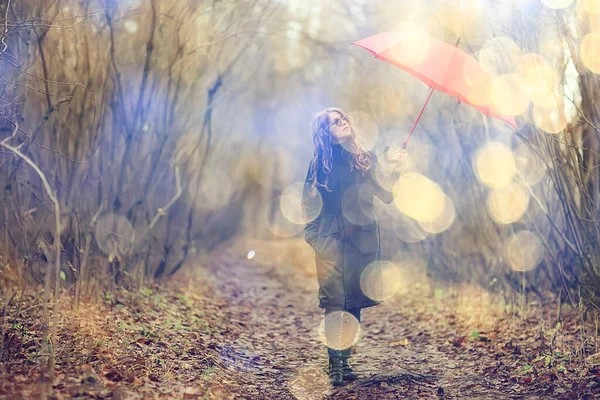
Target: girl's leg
x=348 y=374
x=331 y=352
x=339 y=368
x=356 y=313
x=336 y=365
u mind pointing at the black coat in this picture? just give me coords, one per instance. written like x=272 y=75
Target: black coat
x=345 y=235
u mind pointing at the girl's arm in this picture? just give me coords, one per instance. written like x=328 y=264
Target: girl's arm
x=382 y=193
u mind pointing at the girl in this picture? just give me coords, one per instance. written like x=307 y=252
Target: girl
x=345 y=235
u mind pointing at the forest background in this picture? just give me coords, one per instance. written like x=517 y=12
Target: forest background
x=138 y=136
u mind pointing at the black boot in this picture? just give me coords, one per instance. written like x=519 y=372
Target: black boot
x=336 y=371
x=347 y=373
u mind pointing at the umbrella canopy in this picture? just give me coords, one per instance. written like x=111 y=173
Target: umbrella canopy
x=440 y=65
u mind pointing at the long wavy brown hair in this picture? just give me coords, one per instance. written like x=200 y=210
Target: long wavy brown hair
x=321 y=134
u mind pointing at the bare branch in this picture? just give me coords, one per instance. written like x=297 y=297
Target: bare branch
x=57 y=248
x=5 y=35
x=13 y=134
x=52 y=150
x=44 y=79
x=163 y=210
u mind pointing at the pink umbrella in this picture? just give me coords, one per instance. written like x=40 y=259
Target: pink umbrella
x=440 y=66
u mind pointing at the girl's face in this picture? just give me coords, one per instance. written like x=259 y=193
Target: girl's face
x=339 y=126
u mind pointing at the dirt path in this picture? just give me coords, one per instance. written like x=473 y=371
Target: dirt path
x=414 y=346
x=235 y=328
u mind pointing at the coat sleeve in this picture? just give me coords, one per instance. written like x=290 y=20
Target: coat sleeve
x=384 y=195
x=311 y=229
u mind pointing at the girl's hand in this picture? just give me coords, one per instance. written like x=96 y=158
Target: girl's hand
x=399 y=158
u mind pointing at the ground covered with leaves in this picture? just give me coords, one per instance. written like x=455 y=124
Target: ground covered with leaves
x=239 y=328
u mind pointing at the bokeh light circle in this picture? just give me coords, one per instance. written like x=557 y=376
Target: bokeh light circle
x=408 y=230
x=591 y=6
x=593 y=21
x=498 y=55
x=410 y=44
x=494 y=165
x=215 y=191
x=480 y=84
x=419 y=197
x=508 y=204
x=339 y=330
x=443 y=221
x=114 y=233
x=508 y=94
x=385 y=171
x=356 y=205
x=550 y=119
x=278 y=223
x=523 y=251
x=131 y=26
x=557 y=4
x=380 y=280
x=540 y=80
x=590 y=51
x=291 y=203
x=530 y=167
